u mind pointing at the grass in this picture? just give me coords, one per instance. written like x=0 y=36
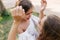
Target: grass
x=5 y=25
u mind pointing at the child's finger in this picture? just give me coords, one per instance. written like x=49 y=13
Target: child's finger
x=23 y=11
x=20 y=7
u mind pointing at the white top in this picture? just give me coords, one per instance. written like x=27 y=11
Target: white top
x=31 y=32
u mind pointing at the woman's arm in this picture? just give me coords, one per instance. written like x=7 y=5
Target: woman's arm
x=43 y=7
x=13 y=31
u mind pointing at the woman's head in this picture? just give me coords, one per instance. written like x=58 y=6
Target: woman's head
x=27 y=6
x=50 y=28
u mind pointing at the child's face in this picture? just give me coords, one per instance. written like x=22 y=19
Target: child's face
x=28 y=14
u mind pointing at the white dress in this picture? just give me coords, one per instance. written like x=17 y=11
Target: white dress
x=31 y=32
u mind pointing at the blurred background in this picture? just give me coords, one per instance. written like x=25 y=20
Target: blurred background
x=53 y=7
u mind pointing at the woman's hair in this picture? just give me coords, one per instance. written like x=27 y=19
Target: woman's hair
x=26 y=4
x=51 y=28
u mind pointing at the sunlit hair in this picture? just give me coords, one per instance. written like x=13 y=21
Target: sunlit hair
x=51 y=28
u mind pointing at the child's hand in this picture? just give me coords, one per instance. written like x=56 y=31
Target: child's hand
x=18 y=13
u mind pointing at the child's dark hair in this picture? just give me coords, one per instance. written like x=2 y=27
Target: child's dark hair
x=26 y=5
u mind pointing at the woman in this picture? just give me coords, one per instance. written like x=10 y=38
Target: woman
x=50 y=28
x=24 y=23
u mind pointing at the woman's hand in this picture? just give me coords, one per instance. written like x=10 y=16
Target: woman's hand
x=43 y=5
x=18 y=13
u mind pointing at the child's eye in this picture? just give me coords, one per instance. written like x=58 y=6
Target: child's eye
x=27 y=13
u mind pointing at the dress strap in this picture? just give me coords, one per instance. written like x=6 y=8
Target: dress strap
x=36 y=25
